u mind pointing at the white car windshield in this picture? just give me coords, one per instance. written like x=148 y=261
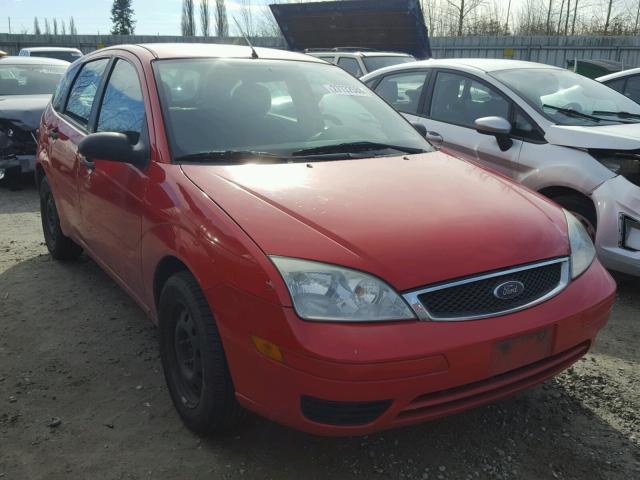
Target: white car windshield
x=567 y=98
x=283 y=108
x=29 y=79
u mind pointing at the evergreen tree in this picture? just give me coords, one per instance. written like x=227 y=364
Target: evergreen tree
x=122 y=18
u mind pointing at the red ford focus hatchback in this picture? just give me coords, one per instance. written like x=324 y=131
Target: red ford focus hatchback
x=305 y=252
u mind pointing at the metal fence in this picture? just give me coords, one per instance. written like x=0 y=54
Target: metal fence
x=550 y=50
x=12 y=43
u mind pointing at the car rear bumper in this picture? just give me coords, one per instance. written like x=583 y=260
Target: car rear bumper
x=617 y=202
x=342 y=380
x=26 y=163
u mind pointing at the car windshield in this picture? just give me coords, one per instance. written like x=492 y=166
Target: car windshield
x=29 y=79
x=282 y=108
x=375 y=63
x=567 y=98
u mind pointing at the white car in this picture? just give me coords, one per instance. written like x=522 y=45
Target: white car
x=61 y=53
x=360 y=61
x=566 y=136
x=626 y=82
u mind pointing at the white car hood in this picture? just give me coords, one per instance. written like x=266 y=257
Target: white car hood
x=618 y=137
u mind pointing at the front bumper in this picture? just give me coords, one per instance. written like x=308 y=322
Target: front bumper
x=398 y=373
x=616 y=200
x=26 y=163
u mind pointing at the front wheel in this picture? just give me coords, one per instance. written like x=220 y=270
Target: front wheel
x=59 y=245
x=582 y=209
x=193 y=359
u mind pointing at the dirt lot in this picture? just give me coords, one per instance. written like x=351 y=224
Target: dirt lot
x=82 y=397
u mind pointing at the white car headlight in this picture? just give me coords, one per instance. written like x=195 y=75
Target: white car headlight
x=582 y=250
x=328 y=292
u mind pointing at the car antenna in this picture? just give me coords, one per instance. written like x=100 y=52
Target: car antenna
x=254 y=54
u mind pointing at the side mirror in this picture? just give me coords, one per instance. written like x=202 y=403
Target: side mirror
x=498 y=127
x=112 y=146
x=420 y=128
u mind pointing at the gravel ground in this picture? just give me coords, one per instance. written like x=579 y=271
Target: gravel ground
x=82 y=397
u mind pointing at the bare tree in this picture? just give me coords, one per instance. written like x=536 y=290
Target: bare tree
x=36 y=26
x=220 y=15
x=72 y=27
x=605 y=30
x=47 y=28
x=63 y=27
x=204 y=17
x=245 y=18
x=462 y=9
x=188 y=18
x=575 y=14
x=549 y=17
x=55 y=26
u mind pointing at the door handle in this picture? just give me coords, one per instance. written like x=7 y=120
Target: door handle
x=435 y=138
x=53 y=133
x=88 y=164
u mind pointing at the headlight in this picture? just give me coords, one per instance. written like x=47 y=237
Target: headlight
x=327 y=292
x=582 y=250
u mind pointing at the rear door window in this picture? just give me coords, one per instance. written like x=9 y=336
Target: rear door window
x=122 y=108
x=84 y=90
x=350 y=65
x=403 y=90
x=632 y=88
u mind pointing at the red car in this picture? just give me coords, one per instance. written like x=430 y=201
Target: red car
x=305 y=252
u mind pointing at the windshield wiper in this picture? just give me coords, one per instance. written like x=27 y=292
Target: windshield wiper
x=570 y=112
x=230 y=156
x=625 y=115
x=354 y=147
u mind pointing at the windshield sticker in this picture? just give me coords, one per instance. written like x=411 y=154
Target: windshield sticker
x=347 y=90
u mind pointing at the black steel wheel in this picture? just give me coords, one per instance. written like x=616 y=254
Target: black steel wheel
x=59 y=245
x=193 y=358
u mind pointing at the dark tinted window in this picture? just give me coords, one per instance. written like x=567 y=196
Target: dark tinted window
x=632 y=88
x=617 y=84
x=375 y=63
x=122 y=107
x=84 y=90
x=403 y=90
x=350 y=65
x=459 y=99
x=523 y=127
x=68 y=56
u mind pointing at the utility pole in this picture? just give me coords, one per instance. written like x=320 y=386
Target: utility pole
x=506 y=24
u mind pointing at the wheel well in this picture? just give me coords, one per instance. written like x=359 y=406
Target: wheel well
x=39 y=174
x=555 y=192
x=167 y=267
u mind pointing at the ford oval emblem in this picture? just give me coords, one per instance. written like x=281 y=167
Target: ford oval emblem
x=509 y=290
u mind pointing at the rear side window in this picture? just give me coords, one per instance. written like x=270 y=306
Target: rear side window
x=403 y=90
x=632 y=88
x=350 y=65
x=63 y=88
x=617 y=84
x=84 y=90
x=122 y=107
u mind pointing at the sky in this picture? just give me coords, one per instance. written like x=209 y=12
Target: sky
x=93 y=16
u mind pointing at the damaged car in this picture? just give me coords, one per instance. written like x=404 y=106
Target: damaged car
x=564 y=135
x=26 y=85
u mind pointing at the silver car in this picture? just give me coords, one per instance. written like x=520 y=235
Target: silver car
x=568 y=137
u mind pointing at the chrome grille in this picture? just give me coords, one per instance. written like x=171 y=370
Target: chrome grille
x=475 y=297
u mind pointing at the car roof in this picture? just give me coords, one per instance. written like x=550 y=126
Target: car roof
x=622 y=74
x=16 y=60
x=359 y=53
x=50 y=49
x=465 y=64
x=204 y=50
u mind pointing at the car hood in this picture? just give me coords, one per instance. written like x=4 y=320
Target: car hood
x=412 y=222
x=618 y=137
x=24 y=111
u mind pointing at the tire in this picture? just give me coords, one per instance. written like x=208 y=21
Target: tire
x=59 y=245
x=193 y=359
x=582 y=209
